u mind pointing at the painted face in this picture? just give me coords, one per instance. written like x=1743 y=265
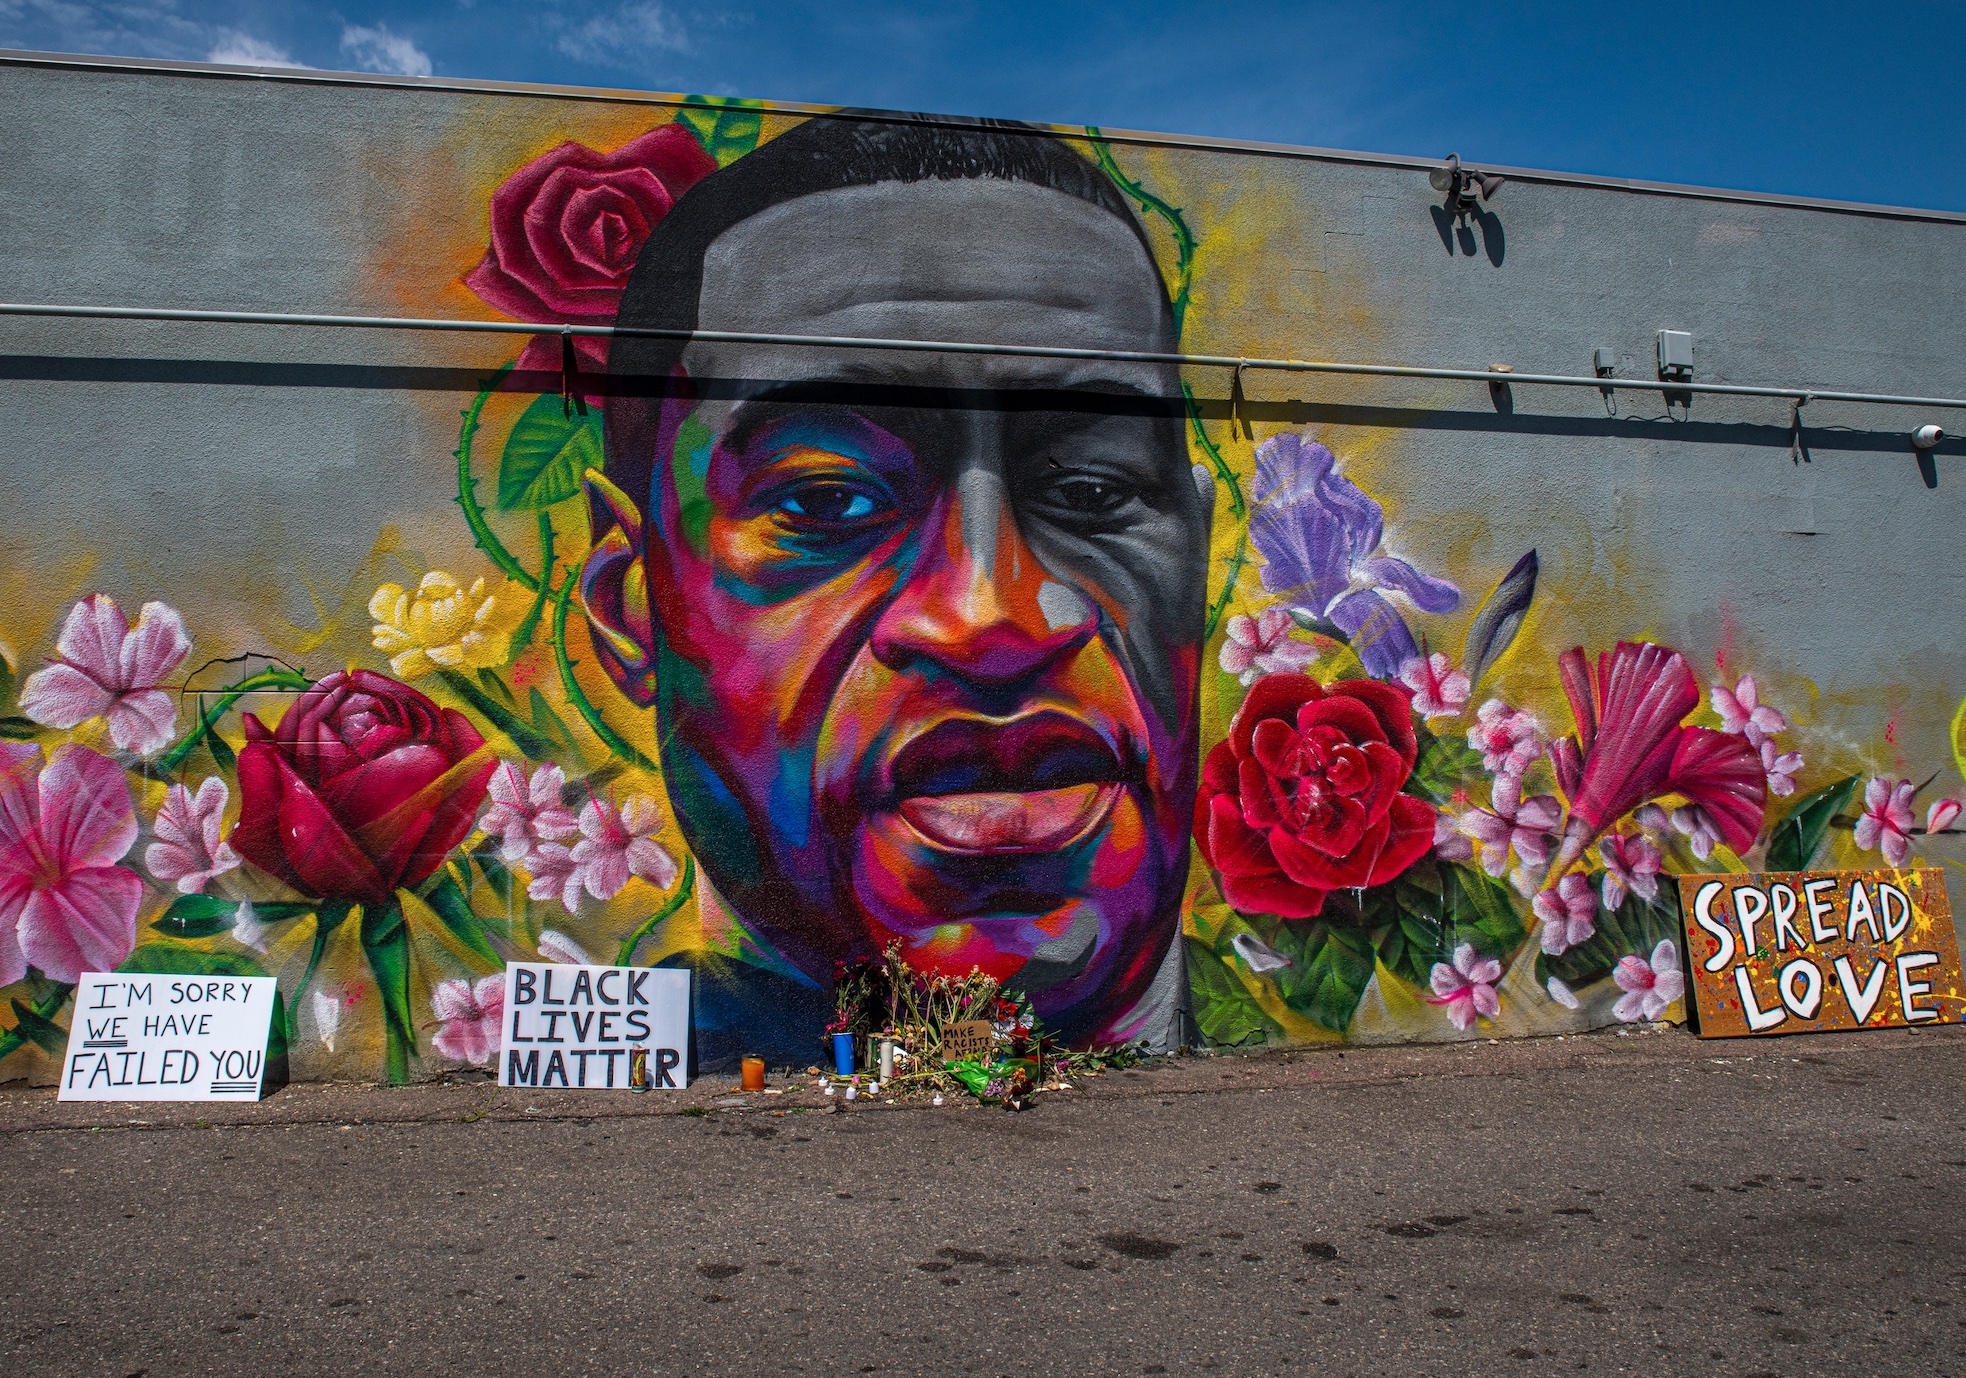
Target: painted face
x=929 y=624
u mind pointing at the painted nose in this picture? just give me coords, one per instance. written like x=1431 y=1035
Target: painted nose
x=977 y=605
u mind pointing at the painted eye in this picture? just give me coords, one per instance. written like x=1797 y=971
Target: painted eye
x=829 y=502
x=1092 y=497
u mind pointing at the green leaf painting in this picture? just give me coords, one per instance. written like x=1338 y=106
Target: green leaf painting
x=1445 y=765
x=1404 y=920
x=1480 y=910
x=727 y=127
x=447 y=901
x=36 y=1028
x=1330 y=967
x=1223 y=1010
x=202 y=916
x=1797 y=838
x=178 y=959
x=546 y=456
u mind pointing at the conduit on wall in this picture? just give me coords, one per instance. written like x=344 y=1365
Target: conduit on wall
x=1235 y=363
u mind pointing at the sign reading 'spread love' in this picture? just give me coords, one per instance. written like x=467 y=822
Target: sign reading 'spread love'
x=168 y=1037
x=594 y=1027
x=1809 y=951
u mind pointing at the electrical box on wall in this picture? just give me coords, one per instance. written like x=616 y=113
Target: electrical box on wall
x=1675 y=354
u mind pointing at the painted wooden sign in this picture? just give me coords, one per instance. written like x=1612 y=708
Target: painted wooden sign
x=1815 y=951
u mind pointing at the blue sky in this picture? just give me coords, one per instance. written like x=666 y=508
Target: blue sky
x=1859 y=102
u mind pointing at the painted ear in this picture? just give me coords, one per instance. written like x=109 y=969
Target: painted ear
x=614 y=594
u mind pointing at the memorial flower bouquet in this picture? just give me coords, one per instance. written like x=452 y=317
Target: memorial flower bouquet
x=885 y=997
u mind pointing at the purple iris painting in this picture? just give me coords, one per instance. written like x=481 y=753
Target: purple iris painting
x=1319 y=534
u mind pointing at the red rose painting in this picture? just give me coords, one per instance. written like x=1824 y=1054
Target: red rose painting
x=1304 y=797
x=566 y=227
x=365 y=786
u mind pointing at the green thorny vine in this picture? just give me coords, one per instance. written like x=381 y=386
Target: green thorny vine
x=561 y=596
x=1150 y=204
x=1178 y=296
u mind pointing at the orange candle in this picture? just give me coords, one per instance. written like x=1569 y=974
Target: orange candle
x=754 y=1074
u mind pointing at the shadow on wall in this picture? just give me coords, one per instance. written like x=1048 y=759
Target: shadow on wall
x=1457 y=230
x=1504 y=419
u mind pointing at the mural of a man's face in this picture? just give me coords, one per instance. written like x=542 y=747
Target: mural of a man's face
x=928 y=624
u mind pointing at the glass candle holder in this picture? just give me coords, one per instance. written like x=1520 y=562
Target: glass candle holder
x=753 y=1074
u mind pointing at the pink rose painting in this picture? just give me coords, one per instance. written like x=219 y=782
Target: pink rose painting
x=1304 y=797
x=365 y=785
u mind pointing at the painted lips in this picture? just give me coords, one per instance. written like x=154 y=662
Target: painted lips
x=1035 y=784
x=1009 y=821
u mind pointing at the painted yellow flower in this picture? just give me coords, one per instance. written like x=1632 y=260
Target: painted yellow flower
x=442 y=625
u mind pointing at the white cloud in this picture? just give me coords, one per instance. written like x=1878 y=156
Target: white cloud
x=76 y=26
x=620 y=33
x=379 y=50
x=132 y=28
x=242 y=49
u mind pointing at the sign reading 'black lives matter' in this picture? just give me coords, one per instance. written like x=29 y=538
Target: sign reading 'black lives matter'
x=582 y=1026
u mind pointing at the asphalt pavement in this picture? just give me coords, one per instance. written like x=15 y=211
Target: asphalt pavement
x=1644 y=1204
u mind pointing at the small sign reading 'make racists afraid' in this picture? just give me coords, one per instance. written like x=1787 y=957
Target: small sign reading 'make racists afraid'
x=1813 y=951
x=968 y=1038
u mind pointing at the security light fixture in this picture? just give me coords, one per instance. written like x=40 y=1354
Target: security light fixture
x=1676 y=355
x=1924 y=441
x=1463 y=185
x=1604 y=363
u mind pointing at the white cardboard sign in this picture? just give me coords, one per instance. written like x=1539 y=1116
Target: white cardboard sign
x=160 y=1037
x=577 y=1026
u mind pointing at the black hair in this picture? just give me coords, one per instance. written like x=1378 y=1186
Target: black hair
x=826 y=153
